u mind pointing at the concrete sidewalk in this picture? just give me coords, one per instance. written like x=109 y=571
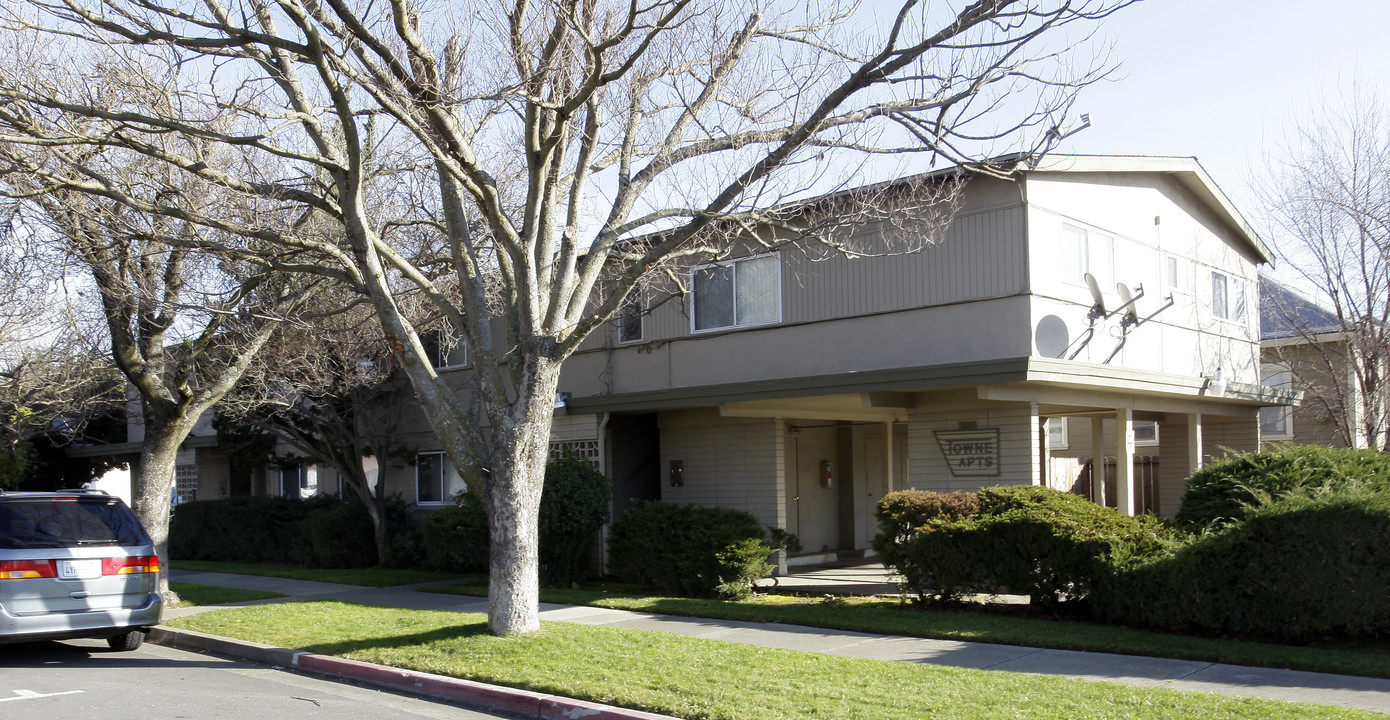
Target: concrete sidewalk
x=1292 y=685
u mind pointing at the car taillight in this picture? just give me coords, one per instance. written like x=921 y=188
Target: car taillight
x=21 y=569
x=130 y=565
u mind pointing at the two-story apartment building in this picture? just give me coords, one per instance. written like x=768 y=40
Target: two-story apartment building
x=804 y=389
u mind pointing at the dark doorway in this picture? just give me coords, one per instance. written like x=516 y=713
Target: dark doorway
x=634 y=461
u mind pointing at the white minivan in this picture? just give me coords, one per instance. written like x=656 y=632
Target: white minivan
x=75 y=564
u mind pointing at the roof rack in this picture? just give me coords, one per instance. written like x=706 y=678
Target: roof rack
x=89 y=491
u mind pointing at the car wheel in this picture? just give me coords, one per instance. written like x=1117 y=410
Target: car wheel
x=126 y=641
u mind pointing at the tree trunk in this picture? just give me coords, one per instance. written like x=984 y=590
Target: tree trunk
x=154 y=489
x=514 y=488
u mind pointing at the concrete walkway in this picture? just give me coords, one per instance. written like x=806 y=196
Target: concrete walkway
x=1342 y=690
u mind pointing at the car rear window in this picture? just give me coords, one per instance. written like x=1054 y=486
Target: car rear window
x=47 y=524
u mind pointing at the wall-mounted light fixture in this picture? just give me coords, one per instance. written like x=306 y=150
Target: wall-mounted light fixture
x=677 y=473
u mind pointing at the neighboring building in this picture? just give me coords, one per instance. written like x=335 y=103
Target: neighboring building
x=804 y=390
x=1303 y=347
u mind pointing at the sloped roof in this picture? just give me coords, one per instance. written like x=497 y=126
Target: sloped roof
x=1185 y=170
x=1284 y=313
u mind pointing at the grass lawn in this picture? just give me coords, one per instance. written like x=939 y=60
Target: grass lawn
x=192 y=594
x=370 y=577
x=892 y=617
x=695 y=678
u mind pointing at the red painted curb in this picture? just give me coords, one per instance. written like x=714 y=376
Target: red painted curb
x=503 y=699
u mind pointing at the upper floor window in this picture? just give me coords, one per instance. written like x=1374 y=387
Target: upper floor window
x=1086 y=251
x=1177 y=275
x=737 y=293
x=1227 y=297
x=443 y=354
x=1277 y=421
x=630 y=318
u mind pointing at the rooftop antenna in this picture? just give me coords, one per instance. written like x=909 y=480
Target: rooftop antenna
x=1055 y=135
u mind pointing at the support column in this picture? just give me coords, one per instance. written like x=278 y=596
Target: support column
x=889 y=459
x=1098 y=460
x=1124 y=461
x=1194 y=443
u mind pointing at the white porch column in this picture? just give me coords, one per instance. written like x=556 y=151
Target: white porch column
x=1124 y=462
x=1194 y=442
x=1098 y=460
x=889 y=482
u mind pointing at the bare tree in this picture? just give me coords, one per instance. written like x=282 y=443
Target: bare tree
x=1328 y=202
x=181 y=325
x=51 y=382
x=553 y=154
x=327 y=386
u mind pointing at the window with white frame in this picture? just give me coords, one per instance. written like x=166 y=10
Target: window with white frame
x=436 y=479
x=1177 y=274
x=1087 y=251
x=1227 y=297
x=630 y=318
x=1057 y=432
x=737 y=293
x=1145 y=432
x=1276 y=422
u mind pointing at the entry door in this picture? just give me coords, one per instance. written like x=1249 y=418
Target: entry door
x=874 y=486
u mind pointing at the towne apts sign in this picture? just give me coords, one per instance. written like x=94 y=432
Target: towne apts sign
x=971 y=452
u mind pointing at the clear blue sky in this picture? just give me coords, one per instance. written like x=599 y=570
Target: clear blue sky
x=1222 y=80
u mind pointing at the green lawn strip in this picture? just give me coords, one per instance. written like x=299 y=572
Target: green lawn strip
x=191 y=594
x=370 y=577
x=695 y=678
x=891 y=617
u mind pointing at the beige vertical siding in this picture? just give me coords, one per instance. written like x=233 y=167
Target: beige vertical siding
x=732 y=462
x=1019 y=452
x=1173 y=471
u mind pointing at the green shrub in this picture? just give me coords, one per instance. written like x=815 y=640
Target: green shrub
x=456 y=537
x=689 y=550
x=574 y=505
x=263 y=529
x=1301 y=567
x=342 y=536
x=1221 y=491
x=1050 y=545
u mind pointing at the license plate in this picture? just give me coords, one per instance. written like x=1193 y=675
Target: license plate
x=79 y=569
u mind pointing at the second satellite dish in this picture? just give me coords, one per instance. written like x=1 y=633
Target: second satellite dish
x=1128 y=316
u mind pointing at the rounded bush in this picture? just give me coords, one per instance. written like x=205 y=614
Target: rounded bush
x=574 y=505
x=689 y=550
x=1050 y=545
x=1223 y=491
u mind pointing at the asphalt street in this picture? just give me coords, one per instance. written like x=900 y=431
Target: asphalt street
x=82 y=679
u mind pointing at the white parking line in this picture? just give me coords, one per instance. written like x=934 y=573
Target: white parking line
x=31 y=695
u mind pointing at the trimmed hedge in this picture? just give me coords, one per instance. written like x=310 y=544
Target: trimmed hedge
x=254 y=529
x=1222 y=491
x=574 y=505
x=1050 y=545
x=456 y=537
x=1298 y=568
x=689 y=550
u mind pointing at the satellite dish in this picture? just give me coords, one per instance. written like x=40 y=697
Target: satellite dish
x=1099 y=308
x=1130 y=317
x=1051 y=337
